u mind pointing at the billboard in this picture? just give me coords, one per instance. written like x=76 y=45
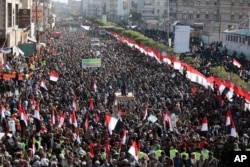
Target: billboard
x=95 y=62
x=24 y=18
x=37 y=14
x=181 y=39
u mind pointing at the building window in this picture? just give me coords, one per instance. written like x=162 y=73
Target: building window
x=191 y=16
x=207 y=2
x=197 y=16
x=241 y=2
x=184 y=2
x=9 y=14
x=232 y=17
x=235 y=38
x=244 y=40
x=184 y=16
x=232 y=3
x=240 y=17
x=215 y=3
x=158 y=3
x=248 y=41
x=198 y=2
x=16 y=14
x=207 y=15
x=215 y=17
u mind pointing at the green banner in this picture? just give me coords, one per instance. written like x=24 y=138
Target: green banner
x=28 y=49
x=95 y=62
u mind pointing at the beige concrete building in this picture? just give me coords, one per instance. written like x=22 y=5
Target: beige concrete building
x=12 y=28
x=211 y=16
x=10 y=34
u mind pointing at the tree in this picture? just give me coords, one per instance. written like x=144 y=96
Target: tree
x=135 y=16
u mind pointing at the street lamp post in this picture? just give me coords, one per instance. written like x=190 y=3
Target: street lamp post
x=37 y=35
x=168 y=24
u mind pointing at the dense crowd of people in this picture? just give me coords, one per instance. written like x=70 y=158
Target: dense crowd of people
x=58 y=139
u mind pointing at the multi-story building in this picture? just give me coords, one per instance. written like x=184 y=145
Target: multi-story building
x=9 y=31
x=21 y=20
x=75 y=6
x=209 y=18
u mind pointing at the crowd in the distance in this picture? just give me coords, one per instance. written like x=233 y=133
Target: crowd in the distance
x=89 y=93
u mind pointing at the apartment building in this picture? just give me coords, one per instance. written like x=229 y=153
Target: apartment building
x=9 y=31
x=21 y=20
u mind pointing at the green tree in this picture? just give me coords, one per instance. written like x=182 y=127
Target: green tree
x=135 y=16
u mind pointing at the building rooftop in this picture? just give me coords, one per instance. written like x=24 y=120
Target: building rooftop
x=245 y=32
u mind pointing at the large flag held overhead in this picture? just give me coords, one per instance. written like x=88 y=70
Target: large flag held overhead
x=233 y=129
x=43 y=84
x=53 y=76
x=23 y=117
x=236 y=63
x=124 y=136
x=204 y=125
x=113 y=123
x=61 y=119
x=72 y=118
x=133 y=150
x=37 y=118
x=167 y=120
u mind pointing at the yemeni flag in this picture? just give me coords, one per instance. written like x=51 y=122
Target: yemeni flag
x=113 y=124
x=43 y=84
x=23 y=117
x=133 y=150
x=86 y=123
x=53 y=76
x=167 y=120
x=91 y=104
x=2 y=112
x=37 y=118
x=236 y=63
x=78 y=136
x=53 y=119
x=233 y=129
x=3 y=121
x=96 y=117
x=72 y=118
x=74 y=102
x=91 y=149
x=61 y=119
x=145 y=112
x=107 y=147
x=119 y=112
x=93 y=85
x=33 y=103
x=124 y=136
x=229 y=117
x=33 y=145
x=204 y=125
